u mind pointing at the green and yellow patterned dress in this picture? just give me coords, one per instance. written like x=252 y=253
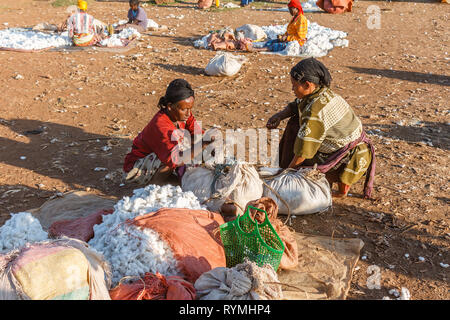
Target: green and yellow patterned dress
x=326 y=124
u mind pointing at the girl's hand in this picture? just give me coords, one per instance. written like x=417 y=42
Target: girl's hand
x=273 y=122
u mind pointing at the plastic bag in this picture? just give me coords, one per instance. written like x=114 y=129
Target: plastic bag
x=224 y=64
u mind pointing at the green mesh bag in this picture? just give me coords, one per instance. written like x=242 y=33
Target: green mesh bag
x=245 y=238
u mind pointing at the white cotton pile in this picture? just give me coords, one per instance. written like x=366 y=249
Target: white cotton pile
x=152 y=24
x=320 y=40
x=202 y=43
x=116 y=39
x=273 y=31
x=21 y=229
x=131 y=251
x=310 y=6
x=17 y=38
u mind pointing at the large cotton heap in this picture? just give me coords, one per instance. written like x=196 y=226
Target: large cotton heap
x=320 y=40
x=310 y=6
x=17 y=38
x=116 y=39
x=133 y=252
x=19 y=230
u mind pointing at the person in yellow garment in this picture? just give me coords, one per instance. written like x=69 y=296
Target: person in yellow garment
x=297 y=30
x=81 y=27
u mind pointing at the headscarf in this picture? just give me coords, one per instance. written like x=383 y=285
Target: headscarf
x=82 y=5
x=313 y=71
x=296 y=4
x=178 y=89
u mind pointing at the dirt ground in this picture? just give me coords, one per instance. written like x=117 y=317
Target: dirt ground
x=396 y=78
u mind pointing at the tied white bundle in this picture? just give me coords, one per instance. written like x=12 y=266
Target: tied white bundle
x=116 y=39
x=240 y=184
x=17 y=38
x=152 y=25
x=225 y=64
x=131 y=251
x=305 y=191
x=21 y=229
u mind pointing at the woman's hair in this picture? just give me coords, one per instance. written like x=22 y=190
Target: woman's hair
x=313 y=71
x=178 y=89
x=134 y=2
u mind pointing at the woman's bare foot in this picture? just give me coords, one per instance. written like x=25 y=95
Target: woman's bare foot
x=343 y=190
x=338 y=194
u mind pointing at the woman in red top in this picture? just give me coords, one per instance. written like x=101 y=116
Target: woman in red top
x=157 y=152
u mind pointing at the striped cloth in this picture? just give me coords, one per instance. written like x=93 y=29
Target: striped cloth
x=80 y=23
x=327 y=124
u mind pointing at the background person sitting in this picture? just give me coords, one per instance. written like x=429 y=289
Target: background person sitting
x=297 y=30
x=81 y=27
x=137 y=18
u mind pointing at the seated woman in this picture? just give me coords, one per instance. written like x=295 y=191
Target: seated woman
x=297 y=30
x=81 y=27
x=157 y=152
x=324 y=130
x=137 y=18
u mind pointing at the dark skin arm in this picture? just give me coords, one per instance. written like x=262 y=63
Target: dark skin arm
x=274 y=121
x=193 y=149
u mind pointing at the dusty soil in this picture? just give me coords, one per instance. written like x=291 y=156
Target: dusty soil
x=396 y=78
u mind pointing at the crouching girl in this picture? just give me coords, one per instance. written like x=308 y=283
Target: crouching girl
x=324 y=130
x=158 y=153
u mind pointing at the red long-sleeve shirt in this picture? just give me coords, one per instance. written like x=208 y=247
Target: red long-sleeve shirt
x=157 y=137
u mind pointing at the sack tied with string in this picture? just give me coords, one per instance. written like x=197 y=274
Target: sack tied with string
x=305 y=191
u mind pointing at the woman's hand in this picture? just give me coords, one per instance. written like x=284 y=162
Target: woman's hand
x=273 y=122
x=282 y=37
x=296 y=162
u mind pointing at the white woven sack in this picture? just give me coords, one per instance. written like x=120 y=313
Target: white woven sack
x=241 y=185
x=224 y=64
x=304 y=195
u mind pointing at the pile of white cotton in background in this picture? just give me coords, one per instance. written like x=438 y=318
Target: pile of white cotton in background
x=310 y=6
x=19 y=230
x=116 y=39
x=131 y=251
x=320 y=40
x=17 y=38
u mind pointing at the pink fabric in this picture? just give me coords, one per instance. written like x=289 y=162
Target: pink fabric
x=39 y=252
x=81 y=228
x=335 y=6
